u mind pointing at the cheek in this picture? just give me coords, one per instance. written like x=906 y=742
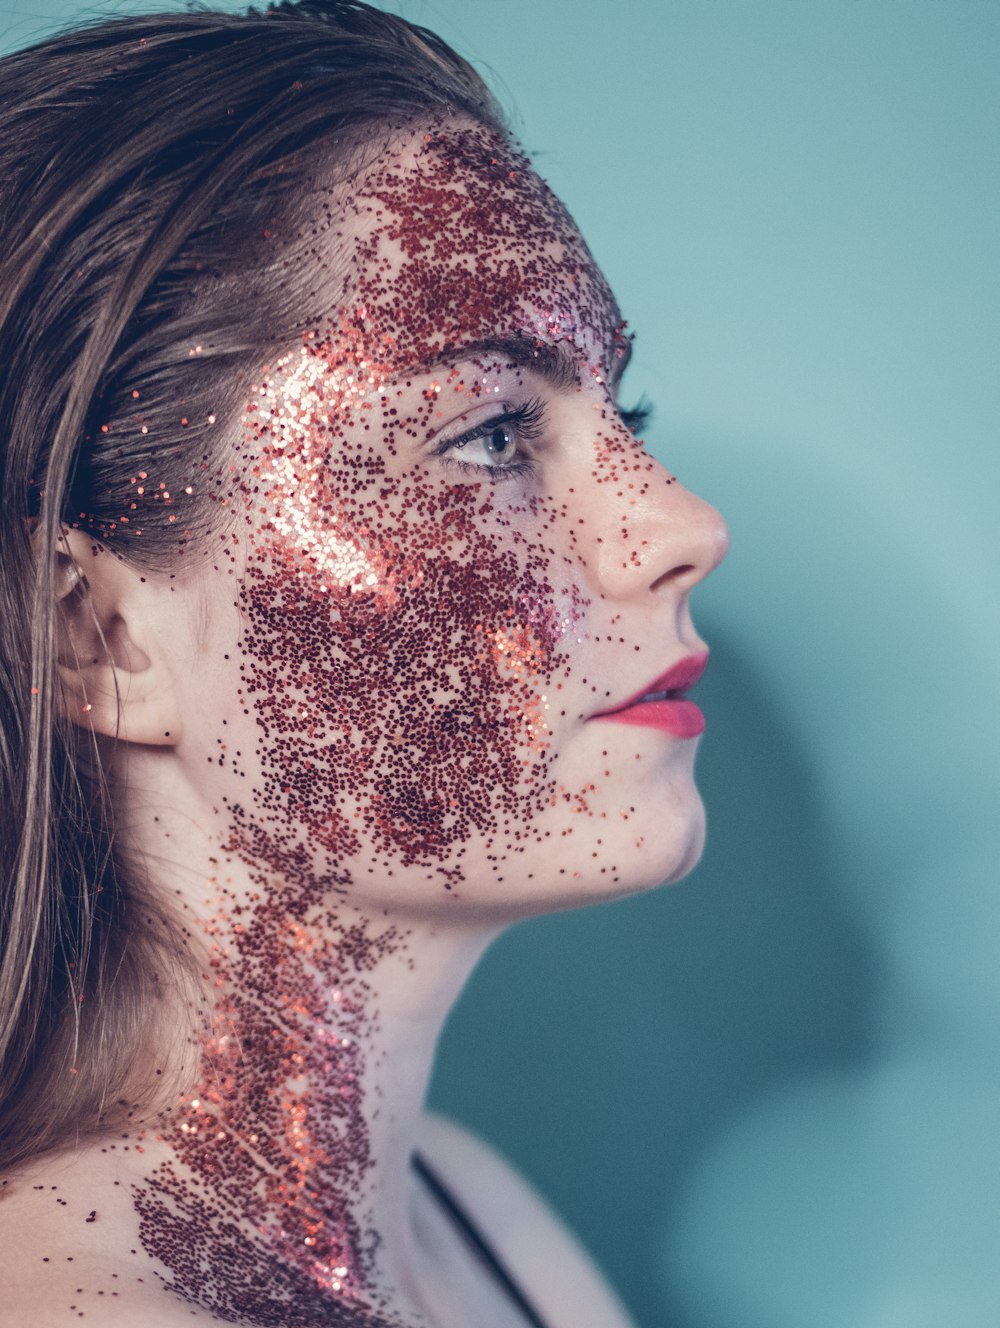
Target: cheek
x=403 y=642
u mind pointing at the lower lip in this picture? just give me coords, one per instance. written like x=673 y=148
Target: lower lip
x=681 y=719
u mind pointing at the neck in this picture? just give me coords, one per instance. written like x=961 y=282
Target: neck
x=277 y=1187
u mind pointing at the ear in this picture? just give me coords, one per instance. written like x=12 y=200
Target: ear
x=113 y=672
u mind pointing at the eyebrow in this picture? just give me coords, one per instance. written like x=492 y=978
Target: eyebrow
x=555 y=362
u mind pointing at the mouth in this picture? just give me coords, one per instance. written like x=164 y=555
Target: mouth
x=663 y=703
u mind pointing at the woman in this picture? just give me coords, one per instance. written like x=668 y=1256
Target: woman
x=345 y=621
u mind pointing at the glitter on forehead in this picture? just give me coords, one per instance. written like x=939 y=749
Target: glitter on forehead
x=509 y=255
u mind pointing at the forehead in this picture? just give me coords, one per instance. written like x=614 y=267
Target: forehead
x=454 y=241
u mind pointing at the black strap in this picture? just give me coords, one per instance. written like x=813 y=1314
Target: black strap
x=475 y=1238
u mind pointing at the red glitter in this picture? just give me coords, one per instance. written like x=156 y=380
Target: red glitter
x=410 y=604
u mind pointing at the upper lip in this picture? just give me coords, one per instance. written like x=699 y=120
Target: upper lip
x=685 y=673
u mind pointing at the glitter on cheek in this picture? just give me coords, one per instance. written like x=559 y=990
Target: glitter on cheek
x=519 y=655
x=297 y=430
x=366 y=617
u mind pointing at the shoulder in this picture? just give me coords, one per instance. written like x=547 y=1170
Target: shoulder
x=68 y=1251
x=551 y=1265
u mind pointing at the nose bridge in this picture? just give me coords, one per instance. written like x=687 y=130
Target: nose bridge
x=651 y=532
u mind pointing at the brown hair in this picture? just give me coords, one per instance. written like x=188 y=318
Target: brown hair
x=141 y=161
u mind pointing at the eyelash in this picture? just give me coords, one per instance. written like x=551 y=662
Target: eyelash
x=637 y=417
x=528 y=422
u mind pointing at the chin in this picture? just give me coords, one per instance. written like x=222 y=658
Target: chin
x=669 y=852
x=593 y=856
x=655 y=849
x=666 y=835
x=692 y=851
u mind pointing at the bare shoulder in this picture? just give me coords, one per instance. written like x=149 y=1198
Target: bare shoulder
x=551 y=1265
x=66 y=1254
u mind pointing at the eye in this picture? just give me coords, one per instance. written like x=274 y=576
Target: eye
x=498 y=446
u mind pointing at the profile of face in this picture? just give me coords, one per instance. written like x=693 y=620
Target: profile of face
x=435 y=669
x=455 y=564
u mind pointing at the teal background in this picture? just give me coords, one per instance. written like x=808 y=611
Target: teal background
x=768 y=1097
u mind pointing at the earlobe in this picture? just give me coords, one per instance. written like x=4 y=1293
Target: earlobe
x=113 y=677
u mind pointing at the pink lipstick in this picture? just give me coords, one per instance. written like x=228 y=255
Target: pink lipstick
x=662 y=704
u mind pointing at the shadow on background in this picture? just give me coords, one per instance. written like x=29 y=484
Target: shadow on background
x=604 y=1050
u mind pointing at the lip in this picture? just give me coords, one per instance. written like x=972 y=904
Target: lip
x=675 y=715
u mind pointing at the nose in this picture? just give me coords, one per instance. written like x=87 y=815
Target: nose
x=650 y=535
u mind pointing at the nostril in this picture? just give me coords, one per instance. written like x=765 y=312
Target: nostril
x=677 y=573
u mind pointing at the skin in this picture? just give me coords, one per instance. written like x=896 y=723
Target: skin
x=365 y=737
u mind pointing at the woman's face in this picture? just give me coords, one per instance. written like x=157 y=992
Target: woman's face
x=456 y=558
